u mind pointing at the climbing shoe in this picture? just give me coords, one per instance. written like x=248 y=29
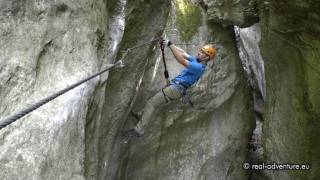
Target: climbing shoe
x=131 y=133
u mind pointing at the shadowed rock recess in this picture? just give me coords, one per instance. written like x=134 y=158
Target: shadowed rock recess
x=48 y=45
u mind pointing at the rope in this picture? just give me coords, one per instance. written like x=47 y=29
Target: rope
x=141 y=45
x=10 y=119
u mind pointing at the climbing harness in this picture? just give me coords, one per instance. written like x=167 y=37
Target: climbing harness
x=10 y=119
x=165 y=96
x=185 y=98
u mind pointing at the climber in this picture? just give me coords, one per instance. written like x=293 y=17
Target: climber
x=176 y=88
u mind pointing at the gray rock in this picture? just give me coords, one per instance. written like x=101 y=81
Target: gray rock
x=251 y=58
x=290 y=47
x=248 y=45
x=236 y=12
x=143 y=22
x=46 y=46
x=208 y=141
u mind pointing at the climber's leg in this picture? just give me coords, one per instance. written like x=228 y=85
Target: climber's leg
x=165 y=95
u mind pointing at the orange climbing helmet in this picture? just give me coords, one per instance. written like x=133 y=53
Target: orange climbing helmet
x=209 y=50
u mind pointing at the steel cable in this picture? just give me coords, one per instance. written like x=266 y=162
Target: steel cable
x=12 y=118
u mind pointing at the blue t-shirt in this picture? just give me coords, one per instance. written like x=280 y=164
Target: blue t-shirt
x=191 y=73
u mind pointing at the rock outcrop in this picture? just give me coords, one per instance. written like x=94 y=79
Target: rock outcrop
x=77 y=135
x=290 y=48
x=46 y=46
x=143 y=22
x=234 y=12
x=195 y=143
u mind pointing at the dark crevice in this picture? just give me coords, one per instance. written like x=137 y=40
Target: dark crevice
x=40 y=57
x=256 y=150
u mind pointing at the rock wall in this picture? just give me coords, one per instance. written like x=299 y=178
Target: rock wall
x=143 y=23
x=46 y=46
x=290 y=47
x=248 y=40
x=233 y=12
x=77 y=135
x=50 y=45
x=208 y=141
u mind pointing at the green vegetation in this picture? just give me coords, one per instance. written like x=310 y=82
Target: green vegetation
x=188 y=18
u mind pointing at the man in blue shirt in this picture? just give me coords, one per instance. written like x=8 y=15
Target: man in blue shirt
x=194 y=68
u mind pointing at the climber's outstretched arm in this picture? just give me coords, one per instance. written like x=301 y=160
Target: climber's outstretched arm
x=184 y=54
x=180 y=55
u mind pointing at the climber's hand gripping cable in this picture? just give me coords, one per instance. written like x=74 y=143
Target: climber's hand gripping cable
x=180 y=55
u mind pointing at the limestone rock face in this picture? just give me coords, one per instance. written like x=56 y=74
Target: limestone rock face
x=46 y=46
x=144 y=22
x=290 y=47
x=209 y=140
x=251 y=58
x=248 y=40
x=234 y=12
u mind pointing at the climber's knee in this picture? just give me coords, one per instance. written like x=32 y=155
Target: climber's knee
x=151 y=103
x=172 y=93
x=156 y=100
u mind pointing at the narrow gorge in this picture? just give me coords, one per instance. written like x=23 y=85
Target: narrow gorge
x=257 y=102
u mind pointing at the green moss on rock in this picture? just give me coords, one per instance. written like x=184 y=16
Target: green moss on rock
x=291 y=50
x=188 y=18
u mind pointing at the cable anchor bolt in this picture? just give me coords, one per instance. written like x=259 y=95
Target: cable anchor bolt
x=120 y=64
